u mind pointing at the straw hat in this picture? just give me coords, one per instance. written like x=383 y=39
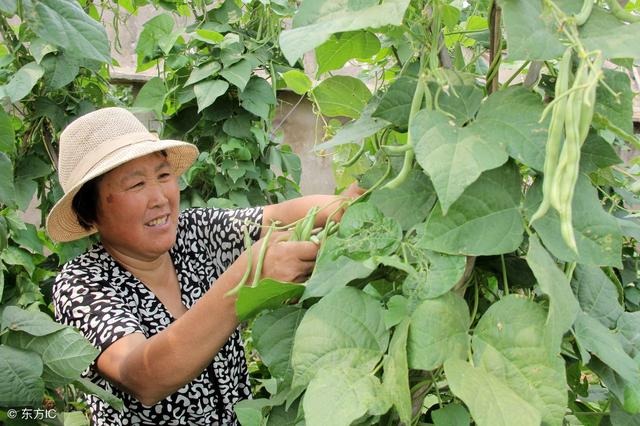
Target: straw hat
x=96 y=143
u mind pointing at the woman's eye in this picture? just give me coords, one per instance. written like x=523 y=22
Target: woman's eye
x=165 y=176
x=137 y=185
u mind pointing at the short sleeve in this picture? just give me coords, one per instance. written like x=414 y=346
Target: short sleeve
x=84 y=299
x=220 y=230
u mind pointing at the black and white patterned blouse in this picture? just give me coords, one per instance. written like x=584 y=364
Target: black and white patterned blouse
x=105 y=302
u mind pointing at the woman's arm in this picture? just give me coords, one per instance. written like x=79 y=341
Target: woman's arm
x=151 y=369
x=290 y=211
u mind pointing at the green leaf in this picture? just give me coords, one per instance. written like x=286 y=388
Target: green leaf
x=454 y=157
x=348 y=392
x=366 y=232
x=563 y=306
x=316 y=20
x=346 y=328
x=509 y=343
x=20 y=382
x=23 y=81
x=616 y=39
x=341 y=96
x=65 y=24
x=596 y=153
x=461 y=101
x=598 y=296
x=598 y=235
x=629 y=327
x=65 y=354
x=395 y=378
x=156 y=31
x=354 y=131
x=9 y=7
x=91 y=388
x=451 y=415
x=209 y=69
x=438 y=331
x=60 y=70
x=73 y=418
x=395 y=104
x=151 y=97
x=617 y=109
x=3 y=237
x=397 y=306
x=598 y=340
x=511 y=117
x=268 y=294
x=7 y=191
x=15 y=256
x=208 y=36
x=34 y=323
x=332 y=273
x=416 y=191
x=297 y=81
x=490 y=400
x=208 y=91
x=28 y=238
x=530 y=32
x=340 y=48
x=272 y=334
x=485 y=219
x=39 y=48
x=7 y=141
x=257 y=97
x=442 y=272
x=238 y=74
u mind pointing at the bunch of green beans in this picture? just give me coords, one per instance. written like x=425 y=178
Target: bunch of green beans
x=572 y=112
x=302 y=230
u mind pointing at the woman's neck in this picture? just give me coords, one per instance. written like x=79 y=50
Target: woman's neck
x=145 y=269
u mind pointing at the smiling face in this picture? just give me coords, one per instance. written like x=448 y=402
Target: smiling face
x=137 y=214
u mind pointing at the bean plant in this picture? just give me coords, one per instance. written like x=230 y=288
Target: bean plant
x=489 y=273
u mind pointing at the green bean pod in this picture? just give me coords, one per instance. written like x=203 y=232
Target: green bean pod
x=554 y=138
x=582 y=16
x=620 y=13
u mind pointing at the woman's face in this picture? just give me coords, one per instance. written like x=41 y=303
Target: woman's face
x=137 y=212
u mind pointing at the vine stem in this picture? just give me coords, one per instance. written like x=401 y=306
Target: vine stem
x=515 y=74
x=495 y=51
x=504 y=275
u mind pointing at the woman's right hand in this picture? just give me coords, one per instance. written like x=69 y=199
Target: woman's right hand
x=289 y=261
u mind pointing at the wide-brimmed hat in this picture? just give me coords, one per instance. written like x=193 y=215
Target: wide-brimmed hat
x=96 y=143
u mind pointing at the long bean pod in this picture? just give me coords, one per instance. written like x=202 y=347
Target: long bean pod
x=554 y=139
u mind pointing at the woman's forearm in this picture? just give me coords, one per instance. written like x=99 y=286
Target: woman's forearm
x=158 y=366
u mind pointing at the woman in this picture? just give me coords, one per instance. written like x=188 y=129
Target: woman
x=151 y=295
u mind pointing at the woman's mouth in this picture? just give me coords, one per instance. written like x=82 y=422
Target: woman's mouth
x=159 y=221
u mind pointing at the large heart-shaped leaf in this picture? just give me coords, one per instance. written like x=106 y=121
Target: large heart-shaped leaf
x=65 y=24
x=438 y=331
x=346 y=328
x=32 y=322
x=340 y=48
x=316 y=20
x=490 y=400
x=348 y=392
x=23 y=81
x=455 y=156
x=509 y=343
x=65 y=354
x=20 y=382
x=485 y=220
x=597 y=294
x=273 y=334
x=7 y=134
x=341 y=96
x=208 y=91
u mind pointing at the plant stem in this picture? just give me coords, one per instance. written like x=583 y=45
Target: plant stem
x=515 y=74
x=261 y=255
x=505 y=282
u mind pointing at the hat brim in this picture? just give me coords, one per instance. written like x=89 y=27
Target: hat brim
x=62 y=223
